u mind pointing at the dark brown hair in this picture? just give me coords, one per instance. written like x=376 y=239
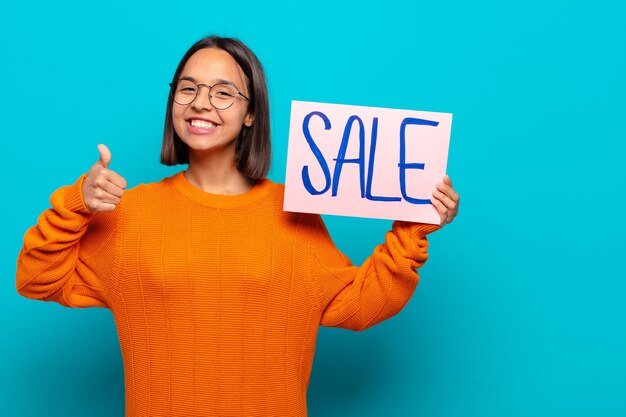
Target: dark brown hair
x=252 y=147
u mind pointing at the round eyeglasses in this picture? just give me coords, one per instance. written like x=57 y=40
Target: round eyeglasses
x=221 y=95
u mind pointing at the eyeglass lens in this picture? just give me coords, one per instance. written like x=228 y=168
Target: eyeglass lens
x=221 y=95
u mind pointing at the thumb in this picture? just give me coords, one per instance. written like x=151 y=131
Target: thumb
x=105 y=156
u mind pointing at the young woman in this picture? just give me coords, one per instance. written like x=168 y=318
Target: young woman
x=216 y=292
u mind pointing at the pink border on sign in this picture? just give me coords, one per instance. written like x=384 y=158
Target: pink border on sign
x=394 y=182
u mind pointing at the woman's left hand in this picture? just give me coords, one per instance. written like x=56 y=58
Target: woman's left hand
x=446 y=201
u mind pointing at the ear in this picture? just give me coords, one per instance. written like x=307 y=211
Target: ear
x=248 y=120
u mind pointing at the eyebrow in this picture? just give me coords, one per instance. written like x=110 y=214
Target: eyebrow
x=187 y=78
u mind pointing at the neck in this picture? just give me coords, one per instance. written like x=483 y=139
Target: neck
x=216 y=175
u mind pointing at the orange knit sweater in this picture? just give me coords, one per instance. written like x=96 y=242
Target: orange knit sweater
x=217 y=299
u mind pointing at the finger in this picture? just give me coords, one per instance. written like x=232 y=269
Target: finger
x=449 y=191
x=117 y=179
x=99 y=193
x=445 y=200
x=104 y=207
x=105 y=156
x=447 y=180
x=441 y=209
x=107 y=198
x=452 y=207
x=101 y=197
x=106 y=185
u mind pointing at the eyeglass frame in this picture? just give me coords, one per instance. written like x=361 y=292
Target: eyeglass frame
x=173 y=93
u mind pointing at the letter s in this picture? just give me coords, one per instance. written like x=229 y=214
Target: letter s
x=306 y=179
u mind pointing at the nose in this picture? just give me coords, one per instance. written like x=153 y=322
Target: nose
x=203 y=99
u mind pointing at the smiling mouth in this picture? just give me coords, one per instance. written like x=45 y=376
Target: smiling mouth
x=202 y=123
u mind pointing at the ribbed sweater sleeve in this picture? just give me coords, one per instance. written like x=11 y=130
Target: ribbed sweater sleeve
x=67 y=253
x=359 y=297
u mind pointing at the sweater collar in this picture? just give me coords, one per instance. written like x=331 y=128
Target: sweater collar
x=182 y=185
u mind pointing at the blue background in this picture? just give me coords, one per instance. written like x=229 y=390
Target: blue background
x=520 y=310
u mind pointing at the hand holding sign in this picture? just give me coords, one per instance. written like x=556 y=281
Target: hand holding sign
x=446 y=201
x=102 y=188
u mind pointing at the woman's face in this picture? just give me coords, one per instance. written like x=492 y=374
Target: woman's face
x=203 y=128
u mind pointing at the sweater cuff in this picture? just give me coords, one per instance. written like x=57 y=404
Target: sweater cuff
x=73 y=197
x=417 y=231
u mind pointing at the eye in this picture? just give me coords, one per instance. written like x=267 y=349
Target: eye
x=224 y=91
x=187 y=90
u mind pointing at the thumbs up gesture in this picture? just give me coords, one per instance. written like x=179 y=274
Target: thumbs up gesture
x=103 y=188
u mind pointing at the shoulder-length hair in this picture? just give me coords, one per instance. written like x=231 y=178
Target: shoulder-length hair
x=252 y=146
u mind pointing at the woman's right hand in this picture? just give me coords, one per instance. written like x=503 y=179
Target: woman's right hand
x=103 y=188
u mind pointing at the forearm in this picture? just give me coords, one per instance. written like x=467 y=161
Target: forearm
x=49 y=265
x=384 y=283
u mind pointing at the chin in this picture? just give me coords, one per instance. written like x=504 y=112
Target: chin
x=207 y=147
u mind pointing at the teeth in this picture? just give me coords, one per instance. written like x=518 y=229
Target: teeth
x=202 y=123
